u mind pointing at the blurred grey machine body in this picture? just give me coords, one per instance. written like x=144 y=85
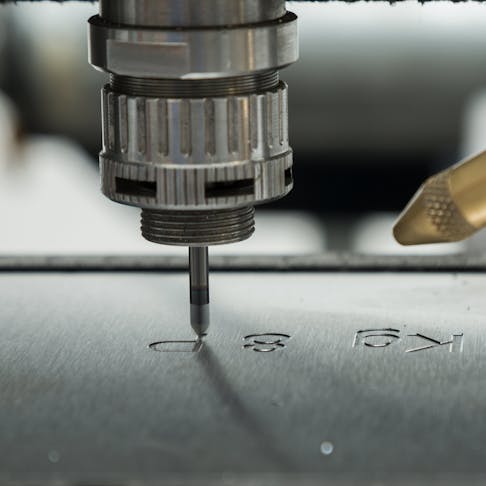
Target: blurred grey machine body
x=195 y=119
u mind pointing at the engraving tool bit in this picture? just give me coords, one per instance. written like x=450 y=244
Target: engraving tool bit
x=195 y=119
x=199 y=289
x=449 y=206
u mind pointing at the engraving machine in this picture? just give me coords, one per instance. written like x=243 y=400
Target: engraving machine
x=367 y=377
x=195 y=119
x=195 y=128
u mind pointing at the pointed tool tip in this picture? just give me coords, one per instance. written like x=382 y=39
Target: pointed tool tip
x=200 y=319
x=448 y=207
x=416 y=225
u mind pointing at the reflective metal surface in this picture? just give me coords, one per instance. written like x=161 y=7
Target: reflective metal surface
x=339 y=376
x=193 y=53
x=194 y=117
x=231 y=152
x=187 y=13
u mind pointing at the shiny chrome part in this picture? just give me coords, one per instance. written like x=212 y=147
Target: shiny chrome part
x=196 y=153
x=190 y=13
x=188 y=88
x=195 y=119
x=198 y=228
x=193 y=53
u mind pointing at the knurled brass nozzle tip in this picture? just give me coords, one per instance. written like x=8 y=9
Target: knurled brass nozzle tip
x=415 y=226
x=450 y=206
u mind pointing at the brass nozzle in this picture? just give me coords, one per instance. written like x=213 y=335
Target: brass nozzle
x=449 y=206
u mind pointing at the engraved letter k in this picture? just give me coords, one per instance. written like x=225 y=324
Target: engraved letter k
x=455 y=343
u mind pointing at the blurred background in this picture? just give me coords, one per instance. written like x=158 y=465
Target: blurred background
x=382 y=97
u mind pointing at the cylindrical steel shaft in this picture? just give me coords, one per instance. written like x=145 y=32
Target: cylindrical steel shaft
x=199 y=289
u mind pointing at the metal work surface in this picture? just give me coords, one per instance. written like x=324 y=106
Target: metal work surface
x=85 y=398
x=325 y=262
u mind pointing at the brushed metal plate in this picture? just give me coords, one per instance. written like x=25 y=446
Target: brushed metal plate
x=337 y=394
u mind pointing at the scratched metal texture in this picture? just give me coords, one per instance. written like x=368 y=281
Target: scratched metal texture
x=85 y=401
x=290 y=1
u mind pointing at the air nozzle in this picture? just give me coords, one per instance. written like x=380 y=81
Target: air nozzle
x=449 y=206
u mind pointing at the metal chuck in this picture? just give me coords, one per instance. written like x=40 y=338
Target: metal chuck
x=195 y=119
